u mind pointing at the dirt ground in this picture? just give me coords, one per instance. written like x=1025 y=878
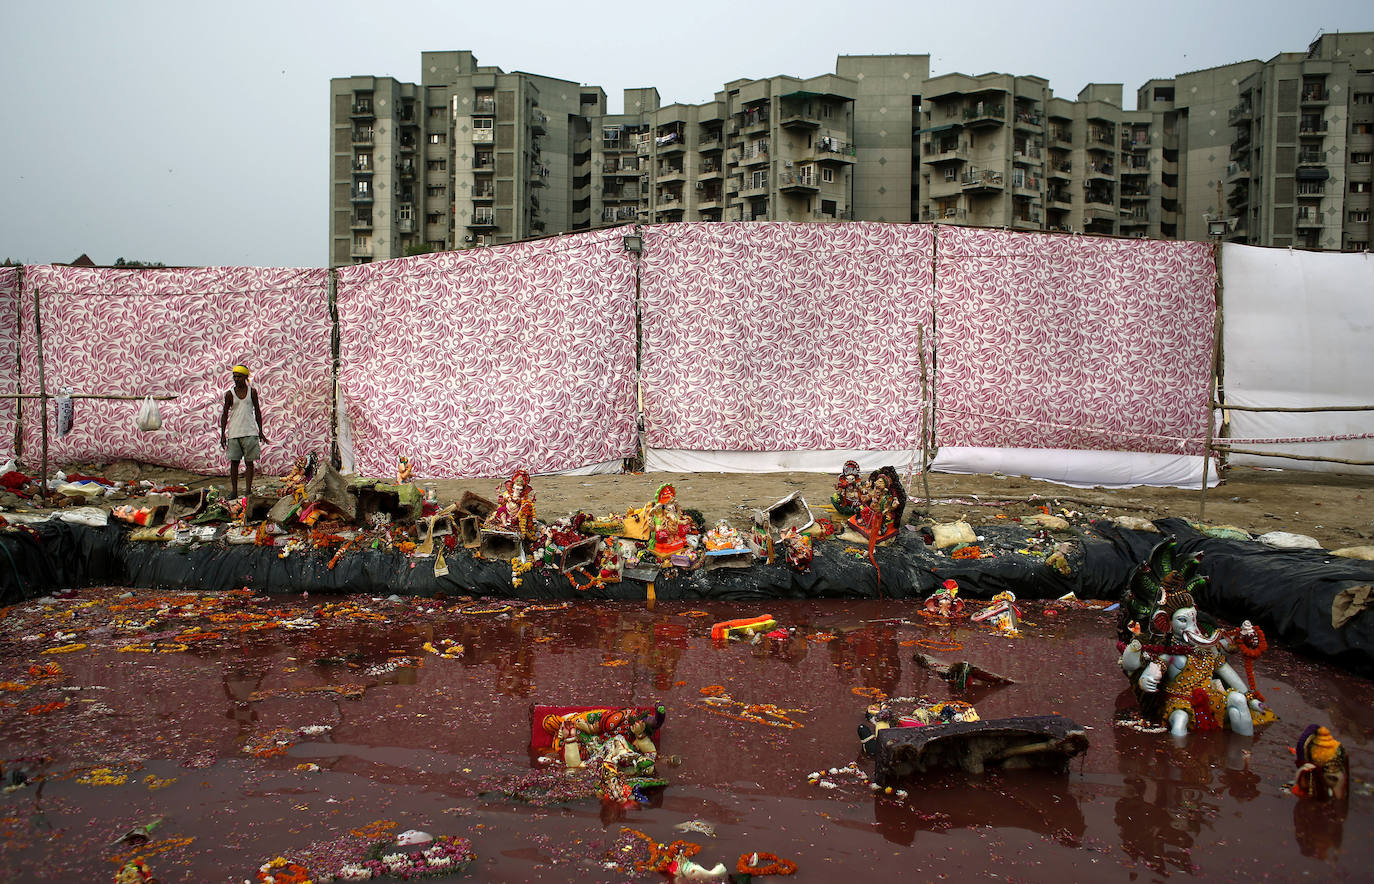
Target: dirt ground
x=1337 y=510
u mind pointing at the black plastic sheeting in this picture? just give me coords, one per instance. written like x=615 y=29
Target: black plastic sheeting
x=1287 y=593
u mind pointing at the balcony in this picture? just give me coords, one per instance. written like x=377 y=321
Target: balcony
x=801 y=181
x=933 y=152
x=1134 y=195
x=1315 y=95
x=619 y=213
x=1061 y=138
x=1311 y=158
x=621 y=170
x=754 y=154
x=1028 y=120
x=1311 y=188
x=753 y=189
x=1099 y=198
x=1025 y=153
x=710 y=144
x=1026 y=182
x=362 y=136
x=838 y=215
x=1101 y=139
x=670 y=142
x=1241 y=113
x=668 y=174
x=485 y=105
x=1059 y=199
x=539 y=175
x=360 y=195
x=981 y=180
x=361 y=222
x=484 y=164
x=483 y=219
x=983 y=114
x=405 y=225
x=362 y=110
x=539 y=122
x=949 y=213
x=483 y=136
x=833 y=150
x=362 y=166
x=799 y=117
x=360 y=250
x=710 y=199
x=753 y=120
x=406 y=145
x=1062 y=171
x=1309 y=217
x=644 y=145
x=1030 y=220
x=484 y=194
x=709 y=172
x=1310 y=128
x=1100 y=170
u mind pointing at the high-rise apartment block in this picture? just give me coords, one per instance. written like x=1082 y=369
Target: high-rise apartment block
x=1273 y=153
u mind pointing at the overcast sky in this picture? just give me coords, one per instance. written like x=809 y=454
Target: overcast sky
x=194 y=134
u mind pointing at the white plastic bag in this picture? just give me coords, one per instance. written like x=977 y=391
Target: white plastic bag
x=66 y=412
x=149 y=417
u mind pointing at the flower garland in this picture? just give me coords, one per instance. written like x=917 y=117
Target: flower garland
x=279 y=870
x=1250 y=649
x=159 y=647
x=44 y=708
x=448 y=649
x=661 y=856
x=967 y=552
x=773 y=865
x=66 y=649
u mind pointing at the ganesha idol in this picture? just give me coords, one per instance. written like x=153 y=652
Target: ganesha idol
x=514 y=508
x=1178 y=668
x=945 y=602
x=881 y=502
x=1323 y=766
x=668 y=524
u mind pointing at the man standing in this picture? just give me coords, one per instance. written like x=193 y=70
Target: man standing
x=240 y=429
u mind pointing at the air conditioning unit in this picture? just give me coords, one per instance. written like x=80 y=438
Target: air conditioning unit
x=467 y=239
x=949 y=213
x=701 y=185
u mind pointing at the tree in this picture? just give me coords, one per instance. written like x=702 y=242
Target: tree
x=120 y=262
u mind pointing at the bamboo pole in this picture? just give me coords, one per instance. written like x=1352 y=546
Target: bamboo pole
x=161 y=397
x=1315 y=408
x=43 y=396
x=19 y=363
x=1257 y=453
x=1214 y=391
x=925 y=419
x=335 y=356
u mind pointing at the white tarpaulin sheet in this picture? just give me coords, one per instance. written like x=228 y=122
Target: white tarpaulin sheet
x=1298 y=333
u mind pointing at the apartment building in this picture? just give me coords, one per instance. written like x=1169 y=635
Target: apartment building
x=1276 y=153
x=1302 y=145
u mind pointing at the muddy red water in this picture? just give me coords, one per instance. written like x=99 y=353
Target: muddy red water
x=199 y=710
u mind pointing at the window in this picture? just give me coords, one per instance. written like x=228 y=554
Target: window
x=759 y=178
x=1359 y=187
x=437 y=138
x=828 y=176
x=1362 y=128
x=825 y=111
x=437 y=112
x=434 y=190
x=1360 y=217
x=435 y=217
x=1364 y=97
x=405 y=213
x=1359 y=159
x=951 y=173
x=362 y=187
x=828 y=207
x=436 y=245
x=1358 y=245
x=436 y=165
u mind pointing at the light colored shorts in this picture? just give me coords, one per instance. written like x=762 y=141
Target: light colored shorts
x=244 y=448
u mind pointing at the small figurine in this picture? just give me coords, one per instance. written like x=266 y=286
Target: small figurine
x=1002 y=613
x=945 y=601
x=1323 y=766
x=514 y=507
x=882 y=501
x=723 y=537
x=668 y=524
x=796 y=549
x=848 y=497
x=302 y=471
x=404 y=471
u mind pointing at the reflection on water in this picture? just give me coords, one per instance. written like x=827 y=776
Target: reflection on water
x=415 y=737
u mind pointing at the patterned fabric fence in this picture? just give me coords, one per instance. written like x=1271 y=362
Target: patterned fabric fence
x=177 y=331
x=1051 y=341
x=479 y=362
x=784 y=336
